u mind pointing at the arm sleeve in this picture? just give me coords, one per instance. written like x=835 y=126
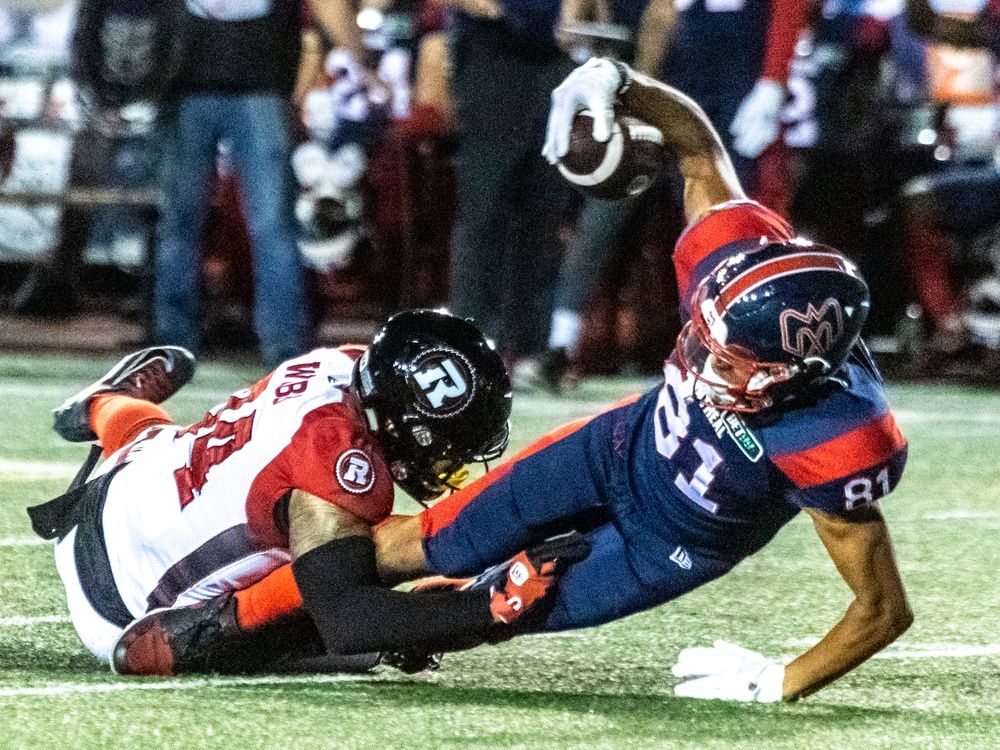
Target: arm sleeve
x=787 y=18
x=354 y=614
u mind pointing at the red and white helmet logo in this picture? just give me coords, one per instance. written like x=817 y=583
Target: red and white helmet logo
x=814 y=332
x=354 y=471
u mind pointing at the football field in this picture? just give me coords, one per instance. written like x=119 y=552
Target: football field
x=938 y=687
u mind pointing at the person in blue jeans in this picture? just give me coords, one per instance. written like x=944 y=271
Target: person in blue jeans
x=235 y=87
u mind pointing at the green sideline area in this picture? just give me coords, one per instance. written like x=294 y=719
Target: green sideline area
x=609 y=687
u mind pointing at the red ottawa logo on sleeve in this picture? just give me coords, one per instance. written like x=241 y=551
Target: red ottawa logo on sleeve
x=354 y=471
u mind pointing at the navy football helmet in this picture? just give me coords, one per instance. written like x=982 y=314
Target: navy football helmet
x=438 y=397
x=771 y=322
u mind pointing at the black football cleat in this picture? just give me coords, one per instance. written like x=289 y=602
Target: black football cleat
x=153 y=374
x=181 y=640
x=206 y=638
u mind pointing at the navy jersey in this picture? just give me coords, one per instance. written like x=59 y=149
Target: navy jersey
x=726 y=482
x=720 y=47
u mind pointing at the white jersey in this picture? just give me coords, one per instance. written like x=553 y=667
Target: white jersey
x=197 y=511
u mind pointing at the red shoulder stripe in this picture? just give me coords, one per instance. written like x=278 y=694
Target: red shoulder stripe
x=721 y=225
x=861 y=448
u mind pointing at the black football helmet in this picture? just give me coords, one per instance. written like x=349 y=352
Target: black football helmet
x=770 y=322
x=438 y=397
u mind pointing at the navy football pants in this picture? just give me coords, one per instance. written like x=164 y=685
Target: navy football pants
x=556 y=487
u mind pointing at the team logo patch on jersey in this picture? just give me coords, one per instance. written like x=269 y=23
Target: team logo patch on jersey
x=814 y=332
x=354 y=471
x=443 y=381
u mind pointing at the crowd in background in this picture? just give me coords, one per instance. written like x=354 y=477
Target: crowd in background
x=870 y=123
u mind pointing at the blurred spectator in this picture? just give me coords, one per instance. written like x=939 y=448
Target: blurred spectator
x=858 y=103
x=733 y=57
x=587 y=28
x=341 y=119
x=235 y=86
x=945 y=213
x=505 y=63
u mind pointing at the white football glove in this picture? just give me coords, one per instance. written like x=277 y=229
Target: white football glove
x=728 y=672
x=594 y=86
x=757 y=121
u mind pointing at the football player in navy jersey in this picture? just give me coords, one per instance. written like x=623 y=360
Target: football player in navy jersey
x=770 y=405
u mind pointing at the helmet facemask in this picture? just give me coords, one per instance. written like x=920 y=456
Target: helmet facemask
x=427 y=474
x=729 y=376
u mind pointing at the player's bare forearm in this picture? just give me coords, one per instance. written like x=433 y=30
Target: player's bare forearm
x=926 y=21
x=880 y=613
x=399 y=550
x=709 y=177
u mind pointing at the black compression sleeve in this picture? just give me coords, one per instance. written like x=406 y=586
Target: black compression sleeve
x=355 y=614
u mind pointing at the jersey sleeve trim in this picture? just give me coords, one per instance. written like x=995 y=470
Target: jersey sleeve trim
x=868 y=445
x=722 y=225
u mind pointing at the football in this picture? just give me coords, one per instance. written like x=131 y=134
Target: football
x=624 y=166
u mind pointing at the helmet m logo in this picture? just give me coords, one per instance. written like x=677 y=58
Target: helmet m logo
x=814 y=332
x=443 y=381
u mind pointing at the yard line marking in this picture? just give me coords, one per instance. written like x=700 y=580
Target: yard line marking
x=955 y=651
x=951 y=515
x=194 y=684
x=899 y=651
x=20 y=622
x=25 y=541
x=60 y=390
x=908 y=415
x=37 y=469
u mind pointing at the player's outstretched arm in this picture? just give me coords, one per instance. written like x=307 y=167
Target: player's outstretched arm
x=334 y=562
x=880 y=613
x=605 y=87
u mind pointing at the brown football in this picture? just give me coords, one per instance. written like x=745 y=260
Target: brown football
x=625 y=165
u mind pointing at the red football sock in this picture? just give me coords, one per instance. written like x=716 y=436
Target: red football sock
x=929 y=251
x=118 y=419
x=270 y=599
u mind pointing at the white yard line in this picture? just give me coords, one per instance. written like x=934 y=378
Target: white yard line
x=901 y=651
x=946 y=651
x=27 y=622
x=193 y=684
x=57 y=391
x=908 y=416
x=37 y=469
x=957 y=515
x=25 y=541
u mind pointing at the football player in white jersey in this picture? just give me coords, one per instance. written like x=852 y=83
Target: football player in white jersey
x=220 y=545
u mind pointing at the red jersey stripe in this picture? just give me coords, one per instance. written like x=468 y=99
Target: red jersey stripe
x=442 y=513
x=787 y=264
x=728 y=222
x=861 y=448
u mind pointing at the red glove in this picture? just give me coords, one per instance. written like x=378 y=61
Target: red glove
x=527 y=579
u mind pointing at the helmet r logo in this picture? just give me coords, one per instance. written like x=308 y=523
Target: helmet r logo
x=813 y=333
x=444 y=383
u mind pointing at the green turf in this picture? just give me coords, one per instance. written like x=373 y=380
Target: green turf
x=609 y=687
